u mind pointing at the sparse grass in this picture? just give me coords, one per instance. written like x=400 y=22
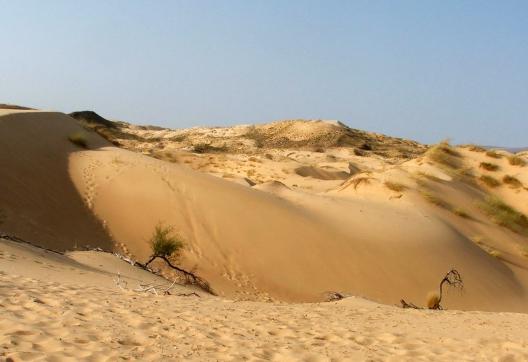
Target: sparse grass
x=79 y=139
x=505 y=215
x=358 y=181
x=516 y=161
x=475 y=148
x=493 y=154
x=444 y=154
x=489 y=166
x=512 y=181
x=207 y=148
x=163 y=243
x=489 y=181
x=435 y=200
x=461 y=212
x=395 y=186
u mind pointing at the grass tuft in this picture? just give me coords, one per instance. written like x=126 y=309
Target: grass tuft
x=493 y=154
x=444 y=154
x=489 y=181
x=512 y=181
x=516 y=161
x=489 y=166
x=505 y=215
x=78 y=139
x=395 y=186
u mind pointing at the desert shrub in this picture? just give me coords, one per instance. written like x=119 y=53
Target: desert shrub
x=493 y=154
x=505 y=215
x=163 y=243
x=395 y=186
x=516 y=161
x=489 y=166
x=512 y=181
x=444 y=154
x=489 y=181
x=78 y=139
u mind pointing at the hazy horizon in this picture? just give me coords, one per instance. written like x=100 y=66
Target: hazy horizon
x=419 y=70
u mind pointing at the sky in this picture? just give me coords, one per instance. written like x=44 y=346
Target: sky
x=425 y=70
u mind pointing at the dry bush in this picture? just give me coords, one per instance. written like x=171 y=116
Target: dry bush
x=489 y=181
x=358 y=181
x=512 y=181
x=395 y=186
x=444 y=154
x=505 y=215
x=489 y=166
x=79 y=139
x=516 y=161
x=433 y=300
x=493 y=154
x=359 y=152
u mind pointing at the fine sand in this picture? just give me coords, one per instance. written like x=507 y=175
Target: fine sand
x=274 y=225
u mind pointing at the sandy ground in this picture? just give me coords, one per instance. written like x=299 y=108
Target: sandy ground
x=306 y=221
x=61 y=317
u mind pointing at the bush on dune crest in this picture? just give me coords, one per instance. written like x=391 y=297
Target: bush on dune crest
x=493 y=154
x=446 y=155
x=516 y=161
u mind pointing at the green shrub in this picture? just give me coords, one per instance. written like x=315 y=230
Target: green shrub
x=505 y=215
x=163 y=243
x=79 y=139
x=489 y=166
x=489 y=181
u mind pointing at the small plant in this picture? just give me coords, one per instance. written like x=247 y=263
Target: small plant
x=512 y=181
x=452 y=279
x=495 y=253
x=489 y=166
x=444 y=154
x=461 y=212
x=489 y=181
x=516 y=161
x=435 y=200
x=493 y=154
x=505 y=215
x=79 y=139
x=163 y=243
x=476 y=148
x=395 y=186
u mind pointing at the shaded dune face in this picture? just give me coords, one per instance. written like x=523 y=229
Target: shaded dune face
x=247 y=242
x=321 y=173
x=37 y=196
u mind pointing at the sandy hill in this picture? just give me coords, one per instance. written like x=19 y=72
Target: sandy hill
x=286 y=221
x=387 y=231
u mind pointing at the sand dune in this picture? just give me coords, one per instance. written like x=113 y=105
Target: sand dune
x=279 y=224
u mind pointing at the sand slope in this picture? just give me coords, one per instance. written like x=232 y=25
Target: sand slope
x=264 y=242
x=62 y=315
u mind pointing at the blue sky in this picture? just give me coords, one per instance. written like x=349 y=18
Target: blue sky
x=425 y=70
